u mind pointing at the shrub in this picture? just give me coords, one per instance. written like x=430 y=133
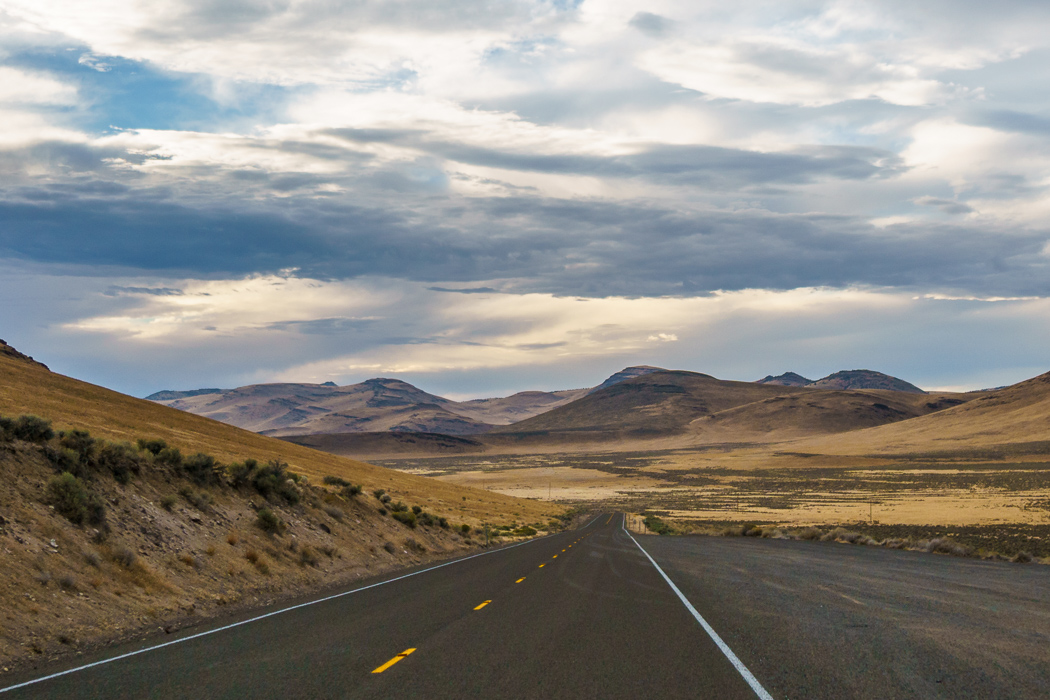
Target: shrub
x=656 y=525
x=170 y=456
x=334 y=513
x=525 y=531
x=273 y=479
x=378 y=493
x=417 y=510
x=239 y=473
x=124 y=557
x=121 y=459
x=7 y=429
x=64 y=460
x=389 y=547
x=67 y=582
x=232 y=539
x=81 y=442
x=335 y=481
x=398 y=507
x=202 y=468
x=464 y=528
x=251 y=555
x=168 y=502
x=1023 y=558
x=32 y=429
x=92 y=559
x=154 y=445
x=268 y=521
x=352 y=490
x=405 y=516
x=443 y=522
x=307 y=557
x=810 y=533
x=71 y=499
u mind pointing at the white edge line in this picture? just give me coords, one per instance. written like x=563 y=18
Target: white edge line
x=260 y=617
x=733 y=659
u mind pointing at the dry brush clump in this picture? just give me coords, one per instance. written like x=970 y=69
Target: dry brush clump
x=941 y=544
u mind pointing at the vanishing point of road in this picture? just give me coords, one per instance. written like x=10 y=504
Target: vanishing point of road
x=600 y=613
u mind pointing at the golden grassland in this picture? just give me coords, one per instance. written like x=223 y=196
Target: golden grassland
x=29 y=388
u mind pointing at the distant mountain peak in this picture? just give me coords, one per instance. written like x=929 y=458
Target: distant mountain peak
x=865 y=379
x=627 y=373
x=171 y=395
x=785 y=379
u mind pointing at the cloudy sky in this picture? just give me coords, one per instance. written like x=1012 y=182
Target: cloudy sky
x=484 y=197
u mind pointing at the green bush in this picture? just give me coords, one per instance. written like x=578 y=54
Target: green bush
x=268 y=521
x=398 y=507
x=201 y=468
x=273 y=479
x=168 y=502
x=464 y=528
x=405 y=516
x=443 y=522
x=239 y=473
x=335 y=481
x=7 y=429
x=74 y=501
x=64 y=460
x=121 y=459
x=154 y=445
x=81 y=442
x=352 y=490
x=658 y=526
x=525 y=531
x=32 y=429
x=378 y=493
x=170 y=457
x=417 y=510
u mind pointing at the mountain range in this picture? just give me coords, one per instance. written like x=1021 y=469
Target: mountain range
x=386 y=405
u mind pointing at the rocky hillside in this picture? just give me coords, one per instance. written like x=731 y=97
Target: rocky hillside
x=102 y=540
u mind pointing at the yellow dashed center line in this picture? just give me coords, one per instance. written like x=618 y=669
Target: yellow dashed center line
x=520 y=580
x=483 y=605
x=542 y=565
x=394 y=660
x=555 y=556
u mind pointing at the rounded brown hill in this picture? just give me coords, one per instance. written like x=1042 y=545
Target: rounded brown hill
x=864 y=379
x=655 y=403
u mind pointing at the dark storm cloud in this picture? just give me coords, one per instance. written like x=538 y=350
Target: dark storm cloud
x=564 y=247
x=323 y=326
x=466 y=290
x=648 y=23
x=116 y=291
x=1008 y=120
x=709 y=166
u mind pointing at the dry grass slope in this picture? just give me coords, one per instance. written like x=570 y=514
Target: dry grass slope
x=29 y=388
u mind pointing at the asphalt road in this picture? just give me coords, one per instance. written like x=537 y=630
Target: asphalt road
x=586 y=614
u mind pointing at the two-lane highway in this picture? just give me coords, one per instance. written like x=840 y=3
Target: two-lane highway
x=579 y=614
x=590 y=614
